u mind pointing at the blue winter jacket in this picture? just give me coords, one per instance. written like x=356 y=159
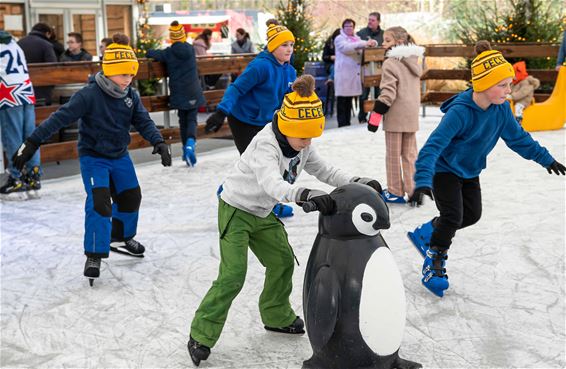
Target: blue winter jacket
x=104 y=122
x=184 y=83
x=466 y=134
x=259 y=90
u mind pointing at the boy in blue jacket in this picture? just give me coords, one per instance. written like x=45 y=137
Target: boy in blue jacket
x=186 y=92
x=250 y=102
x=106 y=107
x=450 y=162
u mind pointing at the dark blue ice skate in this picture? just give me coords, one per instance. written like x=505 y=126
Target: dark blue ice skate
x=435 y=278
x=189 y=154
x=283 y=211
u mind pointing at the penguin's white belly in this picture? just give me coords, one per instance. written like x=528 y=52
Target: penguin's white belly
x=382 y=304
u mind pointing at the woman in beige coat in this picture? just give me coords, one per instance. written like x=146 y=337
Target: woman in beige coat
x=400 y=98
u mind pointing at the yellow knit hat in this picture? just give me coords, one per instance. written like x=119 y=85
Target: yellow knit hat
x=301 y=114
x=119 y=59
x=177 y=32
x=276 y=35
x=488 y=69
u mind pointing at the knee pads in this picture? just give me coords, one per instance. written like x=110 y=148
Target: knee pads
x=101 y=201
x=128 y=201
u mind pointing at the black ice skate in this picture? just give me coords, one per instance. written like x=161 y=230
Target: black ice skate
x=297 y=327
x=197 y=351
x=129 y=247
x=92 y=269
x=13 y=189
x=33 y=182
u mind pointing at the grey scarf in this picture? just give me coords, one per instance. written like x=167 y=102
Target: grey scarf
x=109 y=87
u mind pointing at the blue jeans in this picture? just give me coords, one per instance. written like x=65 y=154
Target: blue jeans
x=17 y=124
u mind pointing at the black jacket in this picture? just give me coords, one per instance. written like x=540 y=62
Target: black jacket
x=366 y=34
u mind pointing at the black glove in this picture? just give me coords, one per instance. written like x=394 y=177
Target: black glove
x=373 y=183
x=324 y=203
x=24 y=154
x=557 y=168
x=162 y=149
x=215 y=122
x=418 y=195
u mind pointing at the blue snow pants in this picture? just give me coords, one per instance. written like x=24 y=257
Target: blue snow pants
x=113 y=198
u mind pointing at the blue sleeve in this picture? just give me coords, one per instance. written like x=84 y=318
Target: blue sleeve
x=438 y=140
x=293 y=76
x=143 y=122
x=63 y=117
x=156 y=55
x=251 y=77
x=520 y=141
x=562 y=51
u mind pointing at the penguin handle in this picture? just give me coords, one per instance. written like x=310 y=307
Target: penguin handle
x=309 y=206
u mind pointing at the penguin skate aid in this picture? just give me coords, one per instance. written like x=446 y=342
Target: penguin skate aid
x=107 y=107
x=245 y=208
x=451 y=160
x=351 y=279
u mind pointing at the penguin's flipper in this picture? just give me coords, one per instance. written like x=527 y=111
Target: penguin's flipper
x=323 y=299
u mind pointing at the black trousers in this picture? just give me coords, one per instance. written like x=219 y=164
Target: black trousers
x=362 y=115
x=343 y=110
x=459 y=202
x=188 y=124
x=243 y=133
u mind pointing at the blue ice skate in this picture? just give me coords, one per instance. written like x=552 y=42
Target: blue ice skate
x=391 y=198
x=189 y=154
x=420 y=237
x=219 y=191
x=435 y=278
x=282 y=211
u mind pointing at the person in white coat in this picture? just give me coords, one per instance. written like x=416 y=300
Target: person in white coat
x=347 y=80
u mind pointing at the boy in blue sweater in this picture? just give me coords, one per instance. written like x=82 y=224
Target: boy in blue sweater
x=186 y=92
x=250 y=102
x=450 y=162
x=106 y=107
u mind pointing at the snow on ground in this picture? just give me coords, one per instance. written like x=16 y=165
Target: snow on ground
x=505 y=306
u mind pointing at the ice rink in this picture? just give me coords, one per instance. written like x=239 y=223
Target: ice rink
x=505 y=307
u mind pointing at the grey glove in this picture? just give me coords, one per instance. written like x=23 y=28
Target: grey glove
x=373 y=183
x=323 y=202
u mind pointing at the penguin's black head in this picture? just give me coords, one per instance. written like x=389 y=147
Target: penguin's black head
x=360 y=211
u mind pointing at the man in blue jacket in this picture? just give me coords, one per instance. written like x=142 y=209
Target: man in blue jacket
x=185 y=89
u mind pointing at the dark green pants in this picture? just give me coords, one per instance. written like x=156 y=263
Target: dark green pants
x=267 y=239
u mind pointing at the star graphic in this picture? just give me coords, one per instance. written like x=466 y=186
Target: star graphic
x=6 y=93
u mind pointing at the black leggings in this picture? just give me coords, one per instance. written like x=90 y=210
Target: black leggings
x=459 y=202
x=243 y=133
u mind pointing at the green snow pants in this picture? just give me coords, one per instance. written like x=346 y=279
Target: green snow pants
x=267 y=239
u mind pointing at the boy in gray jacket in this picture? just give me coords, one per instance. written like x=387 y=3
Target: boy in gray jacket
x=263 y=176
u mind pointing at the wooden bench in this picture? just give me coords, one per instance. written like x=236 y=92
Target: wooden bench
x=48 y=74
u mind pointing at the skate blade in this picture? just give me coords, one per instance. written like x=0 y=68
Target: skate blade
x=34 y=194
x=411 y=237
x=125 y=252
x=14 y=196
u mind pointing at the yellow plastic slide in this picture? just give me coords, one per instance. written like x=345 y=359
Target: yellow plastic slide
x=549 y=114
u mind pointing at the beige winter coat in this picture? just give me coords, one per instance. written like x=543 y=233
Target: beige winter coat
x=401 y=89
x=524 y=91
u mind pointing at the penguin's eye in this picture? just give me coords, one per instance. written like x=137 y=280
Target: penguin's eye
x=363 y=218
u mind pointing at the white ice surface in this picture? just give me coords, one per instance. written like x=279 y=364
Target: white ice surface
x=504 y=308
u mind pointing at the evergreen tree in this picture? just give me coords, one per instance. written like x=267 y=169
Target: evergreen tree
x=146 y=40
x=295 y=15
x=510 y=21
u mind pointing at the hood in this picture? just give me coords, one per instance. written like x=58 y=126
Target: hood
x=180 y=50
x=5 y=37
x=464 y=98
x=267 y=56
x=409 y=56
x=532 y=81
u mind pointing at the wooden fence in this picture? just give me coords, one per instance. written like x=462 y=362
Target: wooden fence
x=78 y=72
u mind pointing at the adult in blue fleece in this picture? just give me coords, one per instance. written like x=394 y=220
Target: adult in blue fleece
x=250 y=102
x=450 y=162
x=106 y=109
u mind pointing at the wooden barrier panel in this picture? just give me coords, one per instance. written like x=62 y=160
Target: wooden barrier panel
x=544 y=75
x=68 y=150
x=509 y=50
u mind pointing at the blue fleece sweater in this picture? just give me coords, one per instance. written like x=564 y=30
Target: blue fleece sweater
x=467 y=134
x=259 y=90
x=104 y=122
